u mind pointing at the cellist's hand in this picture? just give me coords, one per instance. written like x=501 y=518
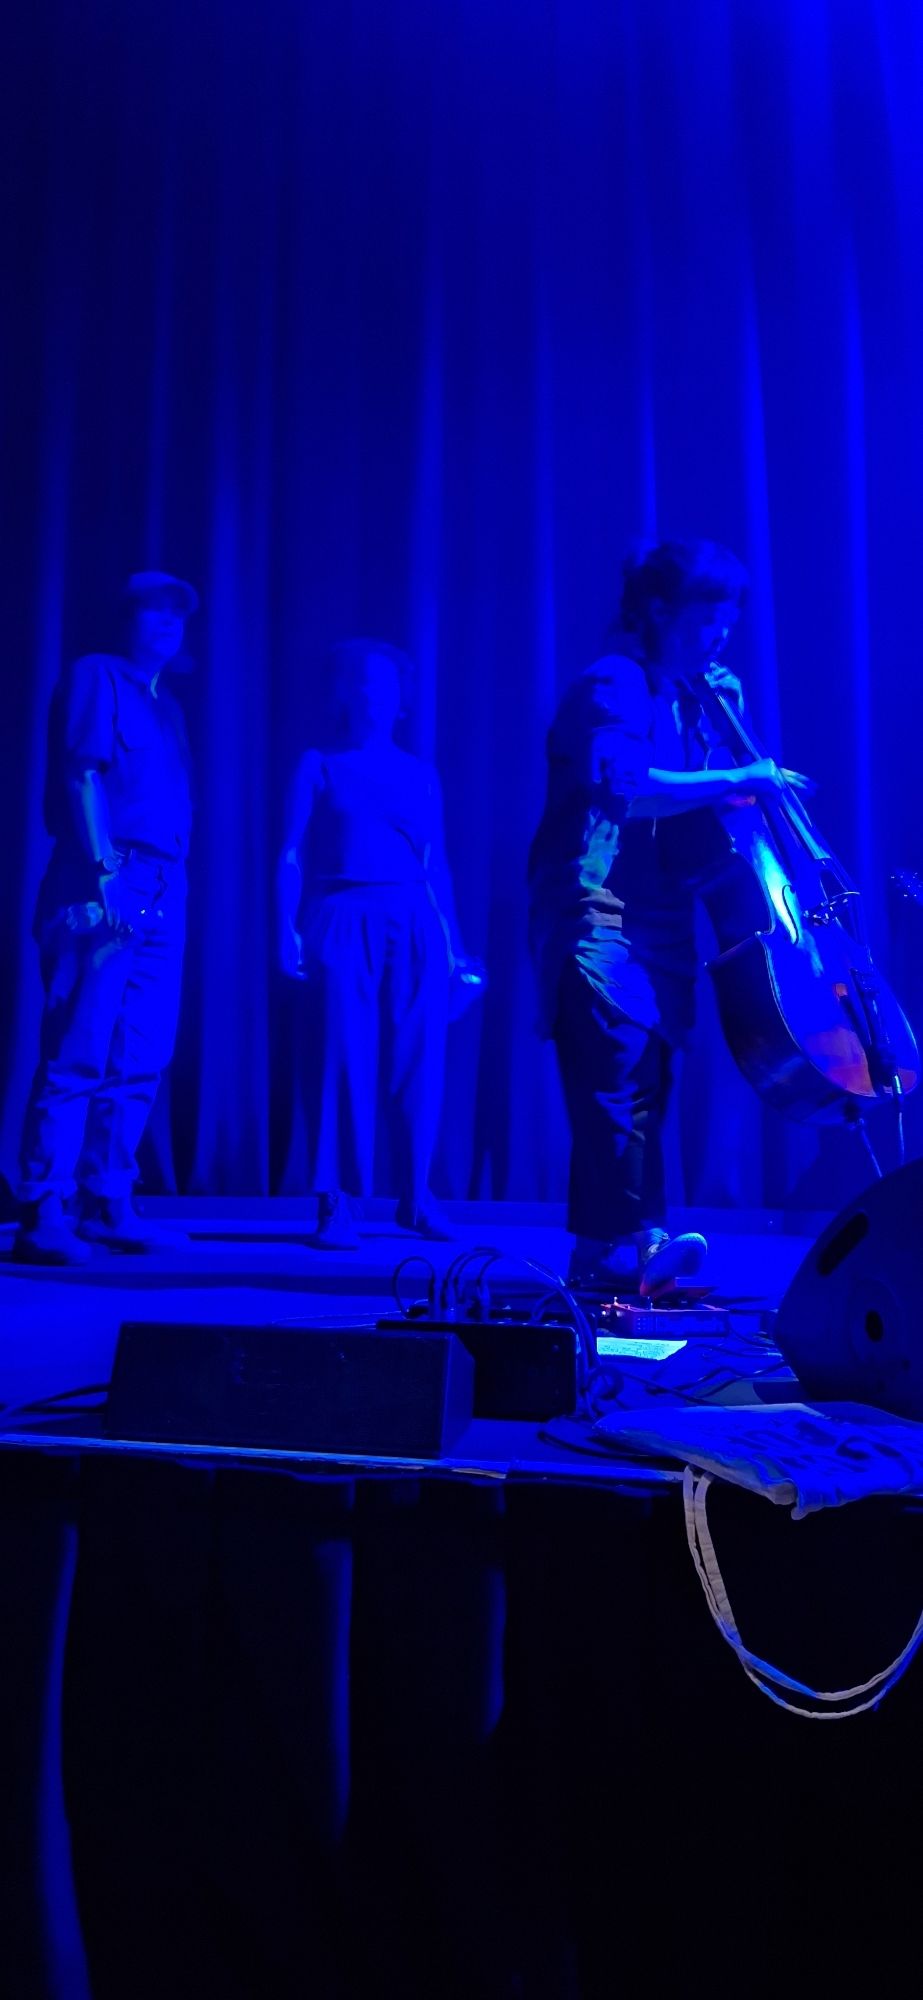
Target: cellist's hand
x=724 y=682
x=766 y=779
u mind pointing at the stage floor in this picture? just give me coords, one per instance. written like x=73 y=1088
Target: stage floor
x=250 y=1261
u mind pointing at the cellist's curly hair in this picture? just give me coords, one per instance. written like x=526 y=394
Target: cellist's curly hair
x=676 y=574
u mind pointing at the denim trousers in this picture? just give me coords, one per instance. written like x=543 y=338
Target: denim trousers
x=108 y=1030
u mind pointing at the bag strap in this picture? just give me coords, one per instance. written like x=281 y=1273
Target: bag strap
x=768 y=1678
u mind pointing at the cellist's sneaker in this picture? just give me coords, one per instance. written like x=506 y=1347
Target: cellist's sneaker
x=597 y=1266
x=665 y=1260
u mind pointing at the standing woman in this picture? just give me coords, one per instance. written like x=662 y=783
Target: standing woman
x=367 y=920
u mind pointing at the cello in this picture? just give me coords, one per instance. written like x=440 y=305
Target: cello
x=809 y=1019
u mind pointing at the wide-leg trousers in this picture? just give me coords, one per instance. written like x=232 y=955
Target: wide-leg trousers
x=378 y=979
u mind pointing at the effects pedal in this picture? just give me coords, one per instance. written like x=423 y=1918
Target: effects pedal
x=689 y=1315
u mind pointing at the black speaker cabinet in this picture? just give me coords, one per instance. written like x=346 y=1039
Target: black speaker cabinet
x=523 y=1370
x=403 y=1395
x=851 y=1322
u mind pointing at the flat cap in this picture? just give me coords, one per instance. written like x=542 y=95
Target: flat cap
x=153 y=587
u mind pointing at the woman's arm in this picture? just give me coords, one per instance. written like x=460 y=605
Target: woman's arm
x=289 y=877
x=439 y=876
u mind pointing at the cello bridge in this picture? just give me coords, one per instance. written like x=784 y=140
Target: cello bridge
x=828 y=911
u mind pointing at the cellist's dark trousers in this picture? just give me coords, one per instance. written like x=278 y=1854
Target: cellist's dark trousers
x=617 y=1078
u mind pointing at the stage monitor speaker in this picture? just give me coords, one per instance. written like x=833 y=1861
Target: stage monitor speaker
x=524 y=1370
x=851 y=1323
x=325 y=1389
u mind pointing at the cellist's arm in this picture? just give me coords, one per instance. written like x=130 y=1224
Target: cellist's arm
x=668 y=792
x=611 y=722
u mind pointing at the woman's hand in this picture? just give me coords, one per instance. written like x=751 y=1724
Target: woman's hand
x=291 y=953
x=112 y=898
x=467 y=982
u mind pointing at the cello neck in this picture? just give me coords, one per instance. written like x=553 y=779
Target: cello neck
x=790 y=807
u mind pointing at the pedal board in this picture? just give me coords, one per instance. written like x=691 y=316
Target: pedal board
x=687 y=1317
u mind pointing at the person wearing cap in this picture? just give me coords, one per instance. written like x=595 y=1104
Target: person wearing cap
x=110 y=925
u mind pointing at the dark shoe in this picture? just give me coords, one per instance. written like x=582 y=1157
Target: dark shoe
x=112 y=1222
x=425 y=1218
x=336 y=1229
x=10 y=1209
x=668 y=1259
x=46 y=1236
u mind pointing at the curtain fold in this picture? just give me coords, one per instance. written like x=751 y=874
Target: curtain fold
x=408 y=320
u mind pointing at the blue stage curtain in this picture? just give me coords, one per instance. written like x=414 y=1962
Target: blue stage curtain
x=406 y=319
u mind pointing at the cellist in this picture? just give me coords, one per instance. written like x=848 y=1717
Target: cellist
x=611 y=926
